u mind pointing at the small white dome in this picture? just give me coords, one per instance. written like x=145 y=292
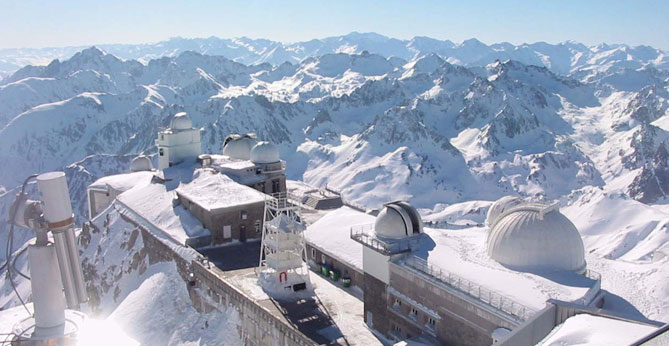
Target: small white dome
x=181 y=121
x=397 y=220
x=141 y=163
x=265 y=152
x=239 y=147
x=499 y=207
x=536 y=236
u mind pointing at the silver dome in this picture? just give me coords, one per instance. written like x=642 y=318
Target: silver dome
x=536 y=237
x=397 y=220
x=239 y=147
x=141 y=163
x=265 y=152
x=181 y=121
x=499 y=207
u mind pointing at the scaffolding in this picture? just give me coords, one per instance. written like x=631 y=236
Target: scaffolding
x=282 y=265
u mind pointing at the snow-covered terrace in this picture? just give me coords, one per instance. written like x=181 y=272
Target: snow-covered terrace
x=214 y=191
x=460 y=254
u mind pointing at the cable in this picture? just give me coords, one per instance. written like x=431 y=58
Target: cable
x=22 y=251
x=10 y=245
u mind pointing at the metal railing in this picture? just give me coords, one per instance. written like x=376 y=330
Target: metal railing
x=282 y=200
x=364 y=234
x=482 y=294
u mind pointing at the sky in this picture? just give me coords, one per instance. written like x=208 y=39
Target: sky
x=31 y=23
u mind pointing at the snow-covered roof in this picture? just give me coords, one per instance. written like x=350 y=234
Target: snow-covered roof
x=332 y=234
x=125 y=181
x=461 y=252
x=212 y=191
x=224 y=162
x=585 y=329
x=536 y=236
x=154 y=204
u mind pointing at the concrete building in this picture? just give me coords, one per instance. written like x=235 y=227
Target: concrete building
x=103 y=191
x=178 y=143
x=440 y=286
x=227 y=209
x=229 y=202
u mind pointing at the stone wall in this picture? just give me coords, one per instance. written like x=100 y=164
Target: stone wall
x=460 y=321
x=215 y=221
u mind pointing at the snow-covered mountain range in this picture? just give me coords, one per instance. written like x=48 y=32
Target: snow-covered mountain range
x=380 y=119
x=563 y=58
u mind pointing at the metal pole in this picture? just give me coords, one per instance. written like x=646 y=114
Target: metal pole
x=75 y=263
x=60 y=243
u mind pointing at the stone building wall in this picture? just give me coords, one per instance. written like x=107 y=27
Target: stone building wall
x=241 y=229
x=461 y=319
x=315 y=256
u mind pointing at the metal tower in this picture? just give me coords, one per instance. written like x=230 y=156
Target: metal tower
x=282 y=267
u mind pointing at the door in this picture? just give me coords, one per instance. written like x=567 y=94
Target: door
x=242 y=233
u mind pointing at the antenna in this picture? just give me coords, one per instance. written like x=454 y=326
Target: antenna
x=56 y=277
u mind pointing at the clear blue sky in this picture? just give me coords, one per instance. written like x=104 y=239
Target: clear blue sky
x=30 y=23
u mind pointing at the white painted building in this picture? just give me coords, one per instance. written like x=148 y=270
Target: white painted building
x=178 y=143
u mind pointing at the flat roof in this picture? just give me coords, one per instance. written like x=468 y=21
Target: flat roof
x=331 y=233
x=225 y=162
x=212 y=191
x=124 y=181
x=585 y=329
x=461 y=251
x=153 y=202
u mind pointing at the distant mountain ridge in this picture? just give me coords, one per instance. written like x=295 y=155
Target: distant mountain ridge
x=562 y=58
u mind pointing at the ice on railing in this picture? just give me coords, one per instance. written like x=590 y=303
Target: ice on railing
x=482 y=294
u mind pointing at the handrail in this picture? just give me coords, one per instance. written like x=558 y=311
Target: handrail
x=491 y=298
x=363 y=234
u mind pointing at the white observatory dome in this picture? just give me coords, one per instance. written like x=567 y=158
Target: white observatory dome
x=499 y=207
x=397 y=220
x=536 y=236
x=141 y=163
x=239 y=147
x=265 y=152
x=181 y=121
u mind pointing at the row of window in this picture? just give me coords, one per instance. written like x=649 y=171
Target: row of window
x=413 y=313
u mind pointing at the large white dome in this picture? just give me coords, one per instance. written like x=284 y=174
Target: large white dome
x=239 y=147
x=397 y=220
x=265 y=152
x=141 y=163
x=499 y=207
x=181 y=121
x=536 y=237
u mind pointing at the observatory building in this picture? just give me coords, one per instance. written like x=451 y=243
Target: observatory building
x=178 y=143
x=225 y=192
x=455 y=286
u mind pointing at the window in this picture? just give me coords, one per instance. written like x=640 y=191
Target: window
x=323 y=258
x=257 y=225
x=414 y=312
x=161 y=152
x=313 y=253
x=276 y=186
x=431 y=322
x=243 y=215
x=162 y=137
x=397 y=303
x=227 y=232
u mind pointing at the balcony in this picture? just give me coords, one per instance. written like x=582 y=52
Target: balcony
x=364 y=234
